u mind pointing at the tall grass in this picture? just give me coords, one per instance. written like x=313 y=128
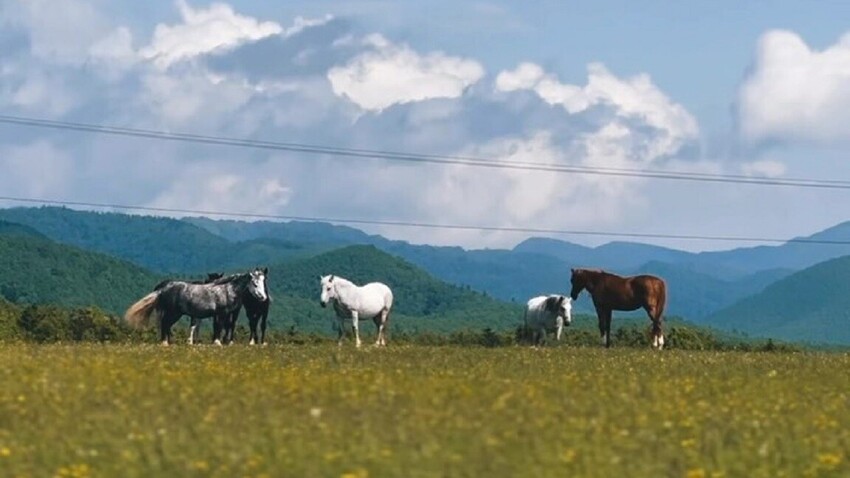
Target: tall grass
x=411 y=410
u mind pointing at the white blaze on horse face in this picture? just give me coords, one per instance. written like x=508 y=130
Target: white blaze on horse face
x=327 y=290
x=567 y=310
x=258 y=285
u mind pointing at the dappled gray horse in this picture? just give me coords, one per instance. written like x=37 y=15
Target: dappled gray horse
x=217 y=299
x=193 y=325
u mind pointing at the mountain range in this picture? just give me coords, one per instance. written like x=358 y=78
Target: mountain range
x=707 y=287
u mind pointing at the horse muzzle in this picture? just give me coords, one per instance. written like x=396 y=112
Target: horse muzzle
x=323 y=304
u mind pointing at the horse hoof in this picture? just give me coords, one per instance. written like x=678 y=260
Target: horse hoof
x=217 y=342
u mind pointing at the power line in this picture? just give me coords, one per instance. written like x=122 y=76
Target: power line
x=423 y=158
x=426 y=225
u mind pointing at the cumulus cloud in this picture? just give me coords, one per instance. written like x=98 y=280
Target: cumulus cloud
x=793 y=92
x=60 y=31
x=765 y=168
x=218 y=188
x=214 y=29
x=635 y=98
x=38 y=169
x=219 y=72
x=392 y=74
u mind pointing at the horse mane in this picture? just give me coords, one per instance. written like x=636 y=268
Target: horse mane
x=551 y=303
x=598 y=273
x=230 y=278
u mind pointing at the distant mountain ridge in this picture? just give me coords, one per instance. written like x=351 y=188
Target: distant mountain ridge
x=699 y=283
x=812 y=305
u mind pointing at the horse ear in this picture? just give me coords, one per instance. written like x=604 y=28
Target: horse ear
x=265 y=270
x=331 y=279
x=560 y=300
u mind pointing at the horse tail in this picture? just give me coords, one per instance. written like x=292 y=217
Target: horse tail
x=662 y=298
x=388 y=300
x=139 y=313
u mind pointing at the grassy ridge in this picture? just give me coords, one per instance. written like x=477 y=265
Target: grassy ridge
x=420 y=411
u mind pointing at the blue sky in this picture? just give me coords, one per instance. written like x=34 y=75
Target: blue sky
x=756 y=88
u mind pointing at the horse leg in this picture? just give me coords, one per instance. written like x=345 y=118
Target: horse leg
x=657 y=329
x=355 y=326
x=193 y=326
x=340 y=331
x=165 y=325
x=263 y=320
x=381 y=322
x=604 y=316
x=231 y=327
x=252 y=323
x=218 y=321
x=559 y=328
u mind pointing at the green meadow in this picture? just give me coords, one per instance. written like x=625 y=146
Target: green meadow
x=92 y=410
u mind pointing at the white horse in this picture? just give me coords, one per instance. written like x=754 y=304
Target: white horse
x=371 y=301
x=546 y=312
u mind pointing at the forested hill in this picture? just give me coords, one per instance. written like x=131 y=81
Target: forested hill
x=812 y=305
x=156 y=243
x=37 y=270
x=421 y=302
x=19 y=230
x=416 y=292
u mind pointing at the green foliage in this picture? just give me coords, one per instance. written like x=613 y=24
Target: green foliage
x=416 y=293
x=810 y=305
x=420 y=411
x=160 y=244
x=38 y=271
x=9 y=315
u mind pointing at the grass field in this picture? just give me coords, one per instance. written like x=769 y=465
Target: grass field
x=316 y=410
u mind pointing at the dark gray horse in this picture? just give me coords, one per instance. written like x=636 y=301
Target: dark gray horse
x=217 y=299
x=257 y=311
x=193 y=324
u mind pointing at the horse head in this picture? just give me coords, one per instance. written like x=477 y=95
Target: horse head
x=565 y=309
x=213 y=276
x=328 y=290
x=257 y=283
x=560 y=306
x=578 y=279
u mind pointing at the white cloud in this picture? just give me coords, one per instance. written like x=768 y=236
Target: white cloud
x=115 y=47
x=767 y=168
x=301 y=23
x=635 y=98
x=217 y=187
x=43 y=92
x=795 y=93
x=60 y=31
x=392 y=74
x=185 y=99
x=37 y=169
x=215 y=29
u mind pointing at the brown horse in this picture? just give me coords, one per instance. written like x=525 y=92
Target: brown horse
x=611 y=292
